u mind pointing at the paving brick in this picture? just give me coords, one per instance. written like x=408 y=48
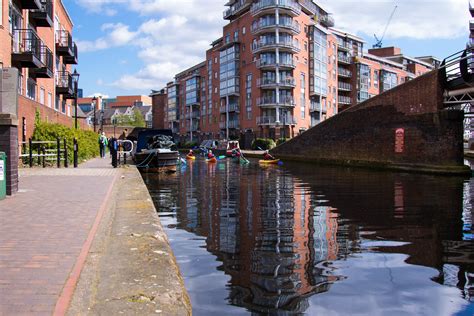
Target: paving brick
x=43 y=230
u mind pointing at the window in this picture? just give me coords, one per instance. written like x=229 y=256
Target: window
x=1 y=12
x=303 y=95
x=243 y=30
x=31 y=89
x=236 y=35
x=50 y=99
x=15 y=20
x=42 y=96
x=248 y=96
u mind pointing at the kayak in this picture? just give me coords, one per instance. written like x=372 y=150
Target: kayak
x=212 y=160
x=191 y=157
x=269 y=162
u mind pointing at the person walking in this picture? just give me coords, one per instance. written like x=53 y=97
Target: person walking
x=103 y=142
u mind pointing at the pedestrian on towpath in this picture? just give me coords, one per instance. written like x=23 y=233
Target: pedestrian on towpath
x=103 y=142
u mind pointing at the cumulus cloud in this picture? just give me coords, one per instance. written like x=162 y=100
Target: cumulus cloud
x=421 y=19
x=174 y=34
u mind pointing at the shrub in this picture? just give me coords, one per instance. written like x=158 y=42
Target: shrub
x=87 y=140
x=263 y=144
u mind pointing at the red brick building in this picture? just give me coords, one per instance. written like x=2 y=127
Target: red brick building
x=36 y=38
x=280 y=68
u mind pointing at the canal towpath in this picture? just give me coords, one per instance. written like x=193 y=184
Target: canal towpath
x=85 y=241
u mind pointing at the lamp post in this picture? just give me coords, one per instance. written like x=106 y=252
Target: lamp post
x=102 y=120
x=94 y=99
x=75 y=79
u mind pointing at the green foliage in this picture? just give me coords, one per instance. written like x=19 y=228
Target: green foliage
x=263 y=143
x=87 y=140
x=135 y=120
x=282 y=141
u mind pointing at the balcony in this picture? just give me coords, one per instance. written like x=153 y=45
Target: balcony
x=272 y=102
x=344 y=100
x=285 y=45
x=193 y=115
x=287 y=82
x=236 y=9
x=290 y=7
x=344 y=86
x=64 y=45
x=344 y=73
x=272 y=64
x=64 y=84
x=318 y=107
x=342 y=59
x=43 y=17
x=26 y=49
x=30 y=4
x=232 y=108
x=233 y=124
x=271 y=121
x=292 y=27
x=47 y=59
x=194 y=128
x=343 y=46
x=71 y=60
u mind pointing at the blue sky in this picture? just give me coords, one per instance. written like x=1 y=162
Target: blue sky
x=133 y=46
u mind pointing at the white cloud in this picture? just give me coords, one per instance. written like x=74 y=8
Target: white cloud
x=175 y=34
x=420 y=19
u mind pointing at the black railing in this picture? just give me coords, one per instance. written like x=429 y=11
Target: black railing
x=458 y=68
x=47 y=57
x=63 y=40
x=64 y=81
x=26 y=42
x=44 y=12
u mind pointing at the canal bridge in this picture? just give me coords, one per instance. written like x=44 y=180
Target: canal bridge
x=416 y=126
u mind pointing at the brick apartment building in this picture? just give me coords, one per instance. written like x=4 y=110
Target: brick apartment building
x=36 y=38
x=280 y=68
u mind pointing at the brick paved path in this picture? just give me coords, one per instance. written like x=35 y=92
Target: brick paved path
x=43 y=230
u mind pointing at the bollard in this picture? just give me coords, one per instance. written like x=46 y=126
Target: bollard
x=44 y=156
x=58 y=143
x=39 y=155
x=113 y=152
x=76 y=147
x=124 y=158
x=30 y=144
x=66 y=162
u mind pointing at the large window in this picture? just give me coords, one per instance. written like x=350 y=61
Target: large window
x=229 y=80
x=303 y=95
x=364 y=82
x=320 y=63
x=248 y=96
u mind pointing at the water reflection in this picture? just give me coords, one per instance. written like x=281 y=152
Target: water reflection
x=364 y=242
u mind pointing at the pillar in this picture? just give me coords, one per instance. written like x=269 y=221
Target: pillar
x=9 y=145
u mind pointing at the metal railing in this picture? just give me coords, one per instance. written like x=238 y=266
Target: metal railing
x=236 y=7
x=26 y=41
x=344 y=86
x=284 y=82
x=64 y=80
x=272 y=101
x=291 y=5
x=343 y=99
x=459 y=67
x=271 y=120
x=47 y=57
x=341 y=72
x=344 y=59
x=64 y=39
x=283 y=42
x=290 y=63
x=264 y=24
x=48 y=153
x=233 y=107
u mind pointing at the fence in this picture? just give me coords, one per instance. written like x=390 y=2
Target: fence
x=46 y=152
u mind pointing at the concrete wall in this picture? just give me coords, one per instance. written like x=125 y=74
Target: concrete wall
x=365 y=134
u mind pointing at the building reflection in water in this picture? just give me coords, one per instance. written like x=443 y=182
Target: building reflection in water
x=278 y=231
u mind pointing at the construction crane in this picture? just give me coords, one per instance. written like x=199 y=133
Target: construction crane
x=378 y=42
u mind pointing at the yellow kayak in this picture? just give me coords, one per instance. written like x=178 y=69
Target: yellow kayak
x=269 y=162
x=191 y=157
x=212 y=160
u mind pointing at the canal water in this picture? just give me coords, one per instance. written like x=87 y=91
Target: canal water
x=299 y=239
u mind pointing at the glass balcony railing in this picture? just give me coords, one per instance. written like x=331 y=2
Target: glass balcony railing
x=271 y=101
x=289 y=5
x=263 y=25
x=267 y=63
x=271 y=43
x=285 y=120
x=272 y=82
x=344 y=86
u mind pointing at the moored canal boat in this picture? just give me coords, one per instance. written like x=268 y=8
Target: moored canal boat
x=156 y=151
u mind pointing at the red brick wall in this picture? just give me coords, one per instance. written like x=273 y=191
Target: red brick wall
x=365 y=133
x=159 y=105
x=385 y=51
x=27 y=109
